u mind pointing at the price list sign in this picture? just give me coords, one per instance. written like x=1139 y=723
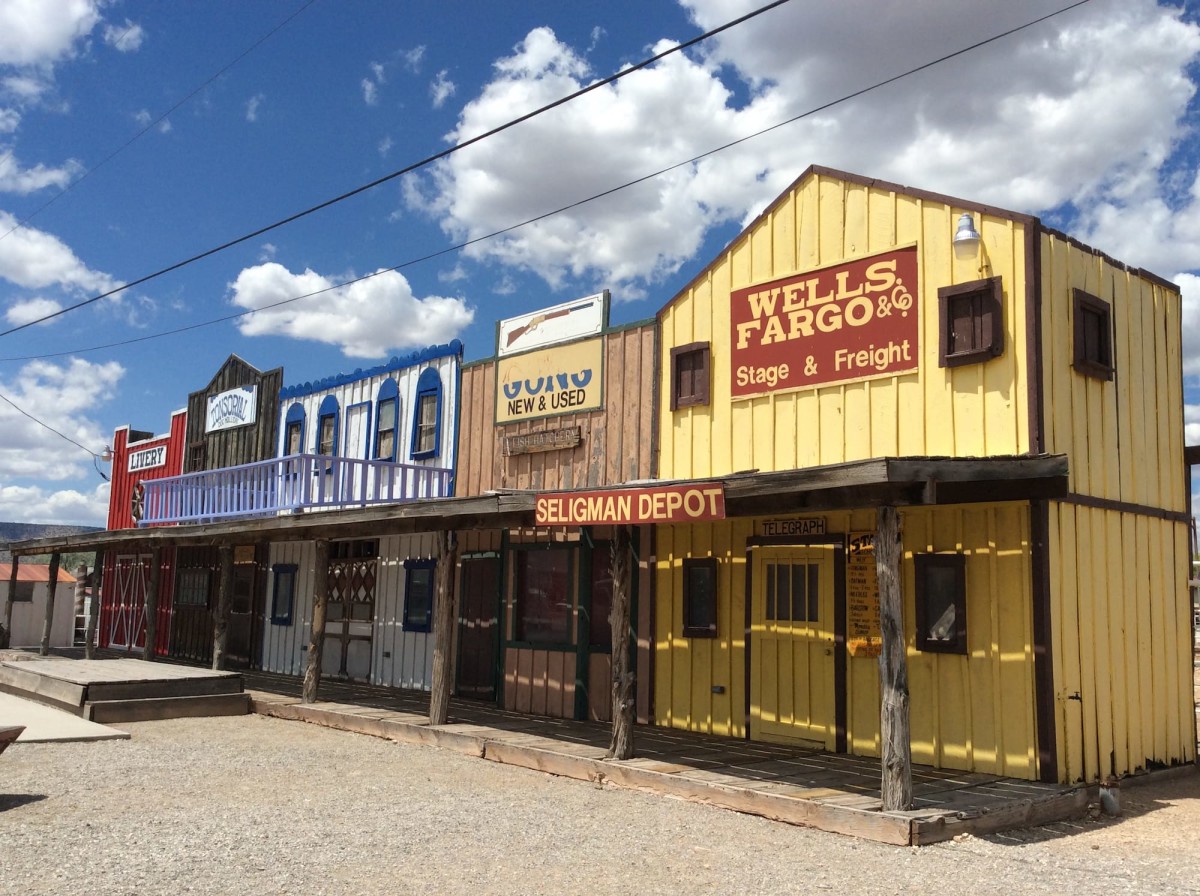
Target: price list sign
x=863 y=635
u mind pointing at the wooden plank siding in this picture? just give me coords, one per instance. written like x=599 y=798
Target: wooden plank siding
x=616 y=441
x=972 y=712
x=240 y=444
x=399 y=658
x=970 y=410
x=1118 y=548
x=1105 y=576
x=616 y=445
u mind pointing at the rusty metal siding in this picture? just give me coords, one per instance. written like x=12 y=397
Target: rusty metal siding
x=242 y=444
x=616 y=441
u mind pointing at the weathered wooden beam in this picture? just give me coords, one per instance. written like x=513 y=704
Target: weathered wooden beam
x=623 y=701
x=896 y=745
x=152 y=589
x=6 y=635
x=221 y=615
x=316 y=640
x=443 y=629
x=89 y=646
x=51 y=588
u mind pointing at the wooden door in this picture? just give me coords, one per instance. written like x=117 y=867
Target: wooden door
x=195 y=596
x=792 y=687
x=245 y=611
x=127 y=624
x=354 y=483
x=478 y=627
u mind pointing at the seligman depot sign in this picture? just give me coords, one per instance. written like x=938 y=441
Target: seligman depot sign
x=632 y=506
x=852 y=321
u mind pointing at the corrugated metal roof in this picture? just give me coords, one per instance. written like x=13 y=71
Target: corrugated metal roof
x=33 y=572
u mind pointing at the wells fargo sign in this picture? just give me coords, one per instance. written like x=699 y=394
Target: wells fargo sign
x=852 y=321
x=559 y=380
x=663 y=504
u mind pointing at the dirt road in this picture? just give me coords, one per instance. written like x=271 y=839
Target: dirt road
x=258 y=805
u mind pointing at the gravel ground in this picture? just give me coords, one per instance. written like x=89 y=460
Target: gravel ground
x=257 y=805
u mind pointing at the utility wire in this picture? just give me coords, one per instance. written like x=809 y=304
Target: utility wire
x=108 y=158
x=405 y=170
x=45 y=425
x=565 y=208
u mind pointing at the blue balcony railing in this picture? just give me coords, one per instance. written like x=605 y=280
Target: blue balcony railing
x=296 y=483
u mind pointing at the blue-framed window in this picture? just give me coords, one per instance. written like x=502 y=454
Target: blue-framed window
x=387 y=418
x=327 y=426
x=284 y=595
x=427 y=415
x=418 y=595
x=293 y=430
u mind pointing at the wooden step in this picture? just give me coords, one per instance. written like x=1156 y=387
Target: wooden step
x=107 y=712
x=23 y=680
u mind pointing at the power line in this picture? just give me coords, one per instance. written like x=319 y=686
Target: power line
x=45 y=425
x=405 y=170
x=108 y=158
x=495 y=233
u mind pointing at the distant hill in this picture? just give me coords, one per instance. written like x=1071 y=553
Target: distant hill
x=28 y=531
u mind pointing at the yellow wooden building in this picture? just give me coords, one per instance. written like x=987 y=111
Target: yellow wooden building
x=1018 y=396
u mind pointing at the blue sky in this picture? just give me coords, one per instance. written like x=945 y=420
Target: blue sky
x=1087 y=120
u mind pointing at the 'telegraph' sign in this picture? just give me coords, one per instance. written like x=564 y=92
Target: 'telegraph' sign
x=848 y=322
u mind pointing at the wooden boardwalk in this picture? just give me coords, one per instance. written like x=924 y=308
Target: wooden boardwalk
x=121 y=688
x=832 y=792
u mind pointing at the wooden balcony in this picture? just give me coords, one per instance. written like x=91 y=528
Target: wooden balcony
x=294 y=484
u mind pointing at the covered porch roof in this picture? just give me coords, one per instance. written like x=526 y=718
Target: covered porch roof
x=897 y=481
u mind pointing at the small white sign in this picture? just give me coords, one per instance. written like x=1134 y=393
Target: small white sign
x=148 y=458
x=570 y=320
x=237 y=407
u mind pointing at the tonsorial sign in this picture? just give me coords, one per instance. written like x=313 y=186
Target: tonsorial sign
x=236 y=407
x=852 y=321
x=661 y=504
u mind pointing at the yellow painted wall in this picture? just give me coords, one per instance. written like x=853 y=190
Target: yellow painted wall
x=1119 y=600
x=973 y=712
x=1124 y=436
x=822 y=220
x=1122 y=642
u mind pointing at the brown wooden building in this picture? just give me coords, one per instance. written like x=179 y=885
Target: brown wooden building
x=533 y=627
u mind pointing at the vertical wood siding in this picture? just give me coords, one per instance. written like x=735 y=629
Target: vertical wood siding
x=616 y=440
x=973 y=712
x=1123 y=643
x=362 y=388
x=1120 y=608
x=241 y=444
x=122 y=481
x=971 y=410
x=408 y=662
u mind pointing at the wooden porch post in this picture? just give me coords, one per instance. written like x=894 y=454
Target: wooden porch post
x=896 y=755
x=316 y=640
x=623 y=703
x=89 y=647
x=443 y=629
x=52 y=586
x=224 y=598
x=12 y=592
x=148 y=649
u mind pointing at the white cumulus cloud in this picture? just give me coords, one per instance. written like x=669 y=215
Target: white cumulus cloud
x=125 y=38
x=370 y=318
x=35 y=32
x=29 y=310
x=1026 y=123
x=34 y=259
